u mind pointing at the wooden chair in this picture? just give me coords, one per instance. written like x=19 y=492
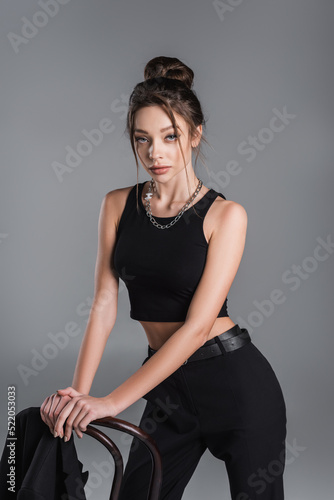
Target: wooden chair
x=137 y=432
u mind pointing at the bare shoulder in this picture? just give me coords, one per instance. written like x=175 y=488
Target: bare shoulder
x=118 y=194
x=226 y=215
x=229 y=208
x=114 y=203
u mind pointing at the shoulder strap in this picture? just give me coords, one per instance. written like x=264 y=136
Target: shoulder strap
x=219 y=194
x=206 y=201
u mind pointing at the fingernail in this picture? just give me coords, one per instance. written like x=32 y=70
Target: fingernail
x=65 y=439
x=55 y=434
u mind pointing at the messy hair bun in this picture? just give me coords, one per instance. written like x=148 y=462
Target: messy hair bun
x=169 y=67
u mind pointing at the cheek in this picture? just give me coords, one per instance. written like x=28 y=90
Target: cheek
x=178 y=154
x=142 y=150
x=186 y=152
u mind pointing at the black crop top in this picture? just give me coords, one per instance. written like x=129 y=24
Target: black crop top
x=161 y=268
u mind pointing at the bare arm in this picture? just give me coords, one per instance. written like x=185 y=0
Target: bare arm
x=102 y=315
x=103 y=312
x=225 y=251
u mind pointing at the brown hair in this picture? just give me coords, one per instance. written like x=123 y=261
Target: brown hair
x=167 y=83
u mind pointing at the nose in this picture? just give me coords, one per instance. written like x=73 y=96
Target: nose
x=154 y=151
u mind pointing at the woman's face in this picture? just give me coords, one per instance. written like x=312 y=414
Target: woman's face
x=157 y=145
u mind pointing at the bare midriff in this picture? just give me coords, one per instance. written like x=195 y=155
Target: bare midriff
x=158 y=332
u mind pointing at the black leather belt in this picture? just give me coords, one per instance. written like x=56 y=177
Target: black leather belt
x=228 y=341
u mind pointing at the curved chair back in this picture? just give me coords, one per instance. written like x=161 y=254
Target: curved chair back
x=137 y=432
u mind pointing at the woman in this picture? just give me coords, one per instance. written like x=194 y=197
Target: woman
x=177 y=245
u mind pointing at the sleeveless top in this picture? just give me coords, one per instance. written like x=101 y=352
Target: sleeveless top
x=161 y=268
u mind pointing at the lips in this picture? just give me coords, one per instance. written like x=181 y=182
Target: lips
x=160 y=170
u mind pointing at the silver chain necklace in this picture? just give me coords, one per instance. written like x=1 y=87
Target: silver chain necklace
x=149 y=195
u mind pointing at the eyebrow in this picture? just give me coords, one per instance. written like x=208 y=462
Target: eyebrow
x=161 y=130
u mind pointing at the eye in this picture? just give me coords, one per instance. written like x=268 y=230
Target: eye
x=138 y=139
x=172 y=135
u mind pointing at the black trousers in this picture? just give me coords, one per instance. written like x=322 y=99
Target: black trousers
x=231 y=404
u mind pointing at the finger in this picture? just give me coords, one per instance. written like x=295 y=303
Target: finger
x=80 y=422
x=82 y=426
x=53 y=405
x=63 y=415
x=52 y=413
x=65 y=390
x=79 y=405
x=45 y=412
x=68 y=426
x=69 y=391
x=62 y=401
x=61 y=404
x=42 y=411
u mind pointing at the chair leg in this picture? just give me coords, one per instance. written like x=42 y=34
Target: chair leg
x=116 y=454
x=137 y=432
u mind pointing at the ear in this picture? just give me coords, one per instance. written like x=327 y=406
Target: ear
x=197 y=137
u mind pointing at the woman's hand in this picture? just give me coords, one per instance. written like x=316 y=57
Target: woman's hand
x=79 y=410
x=51 y=407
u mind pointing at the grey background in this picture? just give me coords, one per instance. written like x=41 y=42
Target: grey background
x=75 y=71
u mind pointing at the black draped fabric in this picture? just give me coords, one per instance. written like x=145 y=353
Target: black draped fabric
x=46 y=468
